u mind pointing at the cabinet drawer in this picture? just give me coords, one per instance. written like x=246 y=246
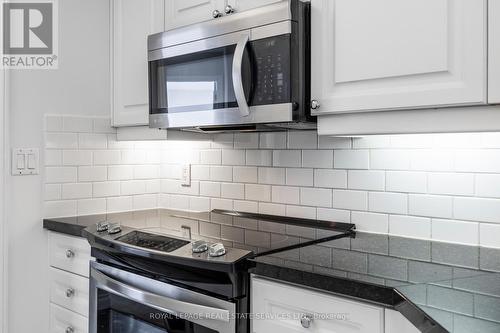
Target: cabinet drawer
x=62 y=321
x=70 y=291
x=69 y=253
x=279 y=308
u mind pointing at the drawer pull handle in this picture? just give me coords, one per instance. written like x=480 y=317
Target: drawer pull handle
x=70 y=254
x=70 y=329
x=306 y=320
x=70 y=292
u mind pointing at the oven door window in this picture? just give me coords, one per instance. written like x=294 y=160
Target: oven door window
x=200 y=81
x=116 y=314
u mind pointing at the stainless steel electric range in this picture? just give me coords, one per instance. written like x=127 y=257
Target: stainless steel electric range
x=152 y=280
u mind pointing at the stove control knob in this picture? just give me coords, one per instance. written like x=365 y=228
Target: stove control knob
x=102 y=226
x=216 y=250
x=114 y=228
x=200 y=246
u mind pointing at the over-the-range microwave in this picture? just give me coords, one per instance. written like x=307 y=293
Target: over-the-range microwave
x=247 y=71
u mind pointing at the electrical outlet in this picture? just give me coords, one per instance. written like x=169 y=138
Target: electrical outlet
x=186 y=175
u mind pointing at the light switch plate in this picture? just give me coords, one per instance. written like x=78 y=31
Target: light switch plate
x=25 y=161
x=186 y=175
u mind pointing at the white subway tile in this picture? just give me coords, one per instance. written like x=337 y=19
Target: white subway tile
x=455 y=232
x=130 y=187
x=245 y=174
x=120 y=172
x=387 y=202
x=175 y=187
x=371 y=222
x=246 y=140
x=272 y=208
x=114 y=144
x=221 y=173
x=153 y=185
x=490 y=140
x=133 y=156
x=351 y=159
x=103 y=125
x=366 y=180
x=457 y=140
x=372 y=141
x=430 y=205
x=299 y=177
x=60 y=208
x=53 y=157
x=410 y=226
x=317 y=158
x=60 y=174
x=107 y=157
x=77 y=157
x=257 y=192
x=153 y=157
x=273 y=140
x=412 y=141
x=432 y=160
x=106 y=189
x=210 y=157
x=406 y=181
x=61 y=140
x=232 y=191
x=489 y=235
x=316 y=197
x=245 y=206
x=275 y=176
x=210 y=189
x=145 y=201
x=488 y=185
x=225 y=204
x=223 y=140
x=259 y=157
x=52 y=192
x=302 y=140
x=181 y=156
x=233 y=157
x=53 y=123
x=330 y=178
x=344 y=199
x=91 y=206
x=335 y=215
x=146 y=171
x=390 y=159
x=92 y=173
x=451 y=183
x=329 y=142
x=477 y=209
x=287 y=158
x=77 y=124
x=178 y=202
x=77 y=191
x=173 y=171
x=119 y=204
x=487 y=160
x=198 y=172
x=92 y=141
x=198 y=204
x=301 y=212
x=285 y=194
x=163 y=200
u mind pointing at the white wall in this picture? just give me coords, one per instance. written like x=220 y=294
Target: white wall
x=79 y=86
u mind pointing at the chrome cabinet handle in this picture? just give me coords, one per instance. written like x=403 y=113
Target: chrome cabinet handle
x=70 y=329
x=229 y=9
x=315 y=104
x=216 y=14
x=306 y=320
x=70 y=292
x=239 y=91
x=70 y=254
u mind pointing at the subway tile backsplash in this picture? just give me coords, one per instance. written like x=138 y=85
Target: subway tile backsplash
x=443 y=187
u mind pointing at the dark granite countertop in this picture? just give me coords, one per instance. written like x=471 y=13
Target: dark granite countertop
x=439 y=287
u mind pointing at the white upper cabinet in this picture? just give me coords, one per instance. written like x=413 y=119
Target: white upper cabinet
x=184 y=12
x=494 y=52
x=132 y=22
x=398 y=54
x=242 y=5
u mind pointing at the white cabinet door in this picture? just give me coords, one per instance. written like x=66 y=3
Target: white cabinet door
x=242 y=5
x=132 y=22
x=394 y=54
x=396 y=323
x=279 y=308
x=184 y=12
x=494 y=52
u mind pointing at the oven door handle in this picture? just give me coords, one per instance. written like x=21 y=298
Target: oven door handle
x=239 y=90
x=161 y=303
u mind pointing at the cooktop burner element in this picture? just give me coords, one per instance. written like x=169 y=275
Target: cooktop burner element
x=152 y=241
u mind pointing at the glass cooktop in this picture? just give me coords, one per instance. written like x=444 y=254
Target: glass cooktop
x=152 y=241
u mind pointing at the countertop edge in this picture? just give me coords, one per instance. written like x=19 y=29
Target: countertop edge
x=64 y=228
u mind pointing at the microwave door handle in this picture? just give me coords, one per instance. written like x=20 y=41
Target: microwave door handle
x=162 y=303
x=239 y=90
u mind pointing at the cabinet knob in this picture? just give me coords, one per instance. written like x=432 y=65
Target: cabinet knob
x=306 y=320
x=315 y=104
x=70 y=329
x=229 y=9
x=70 y=254
x=70 y=292
x=216 y=13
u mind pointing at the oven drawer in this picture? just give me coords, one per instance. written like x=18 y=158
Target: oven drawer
x=70 y=291
x=69 y=253
x=291 y=309
x=65 y=321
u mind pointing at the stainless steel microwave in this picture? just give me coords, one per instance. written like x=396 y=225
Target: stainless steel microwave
x=247 y=71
